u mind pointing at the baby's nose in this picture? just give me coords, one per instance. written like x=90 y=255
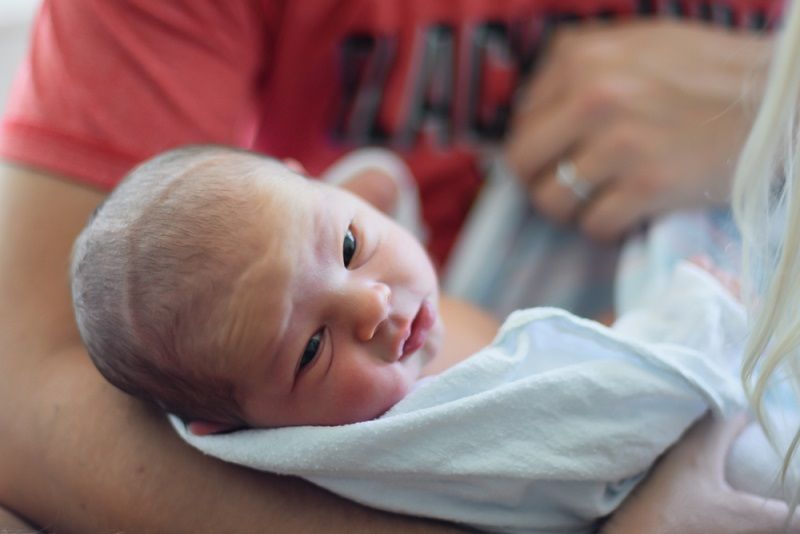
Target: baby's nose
x=370 y=309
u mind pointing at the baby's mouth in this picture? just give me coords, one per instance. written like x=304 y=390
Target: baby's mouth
x=420 y=327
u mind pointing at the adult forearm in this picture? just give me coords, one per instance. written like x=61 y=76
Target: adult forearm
x=83 y=457
x=748 y=515
x=687 y=491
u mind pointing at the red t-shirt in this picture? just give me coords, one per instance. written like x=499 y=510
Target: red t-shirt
x=108 y=83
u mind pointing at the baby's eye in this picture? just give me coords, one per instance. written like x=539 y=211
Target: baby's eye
x=311 y=351
x=349 y=247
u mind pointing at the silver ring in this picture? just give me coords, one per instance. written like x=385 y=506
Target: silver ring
x=568 y=177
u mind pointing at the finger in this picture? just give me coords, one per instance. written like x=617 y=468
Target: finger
x=571 y=53
x=728 y=280
x=614 y=211
x=703 y=261
x=551 y=78
x=541 y=139
x=556 y=199
x=596 y=165
x=538 y=139
x=575 y=55
x=598 y=109
x=543 y=89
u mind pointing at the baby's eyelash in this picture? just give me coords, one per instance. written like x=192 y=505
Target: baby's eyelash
x=311 y=351
x=349 y=246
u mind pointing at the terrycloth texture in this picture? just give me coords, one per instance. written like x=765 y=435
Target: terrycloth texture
x=547 y=429
x=647 y=264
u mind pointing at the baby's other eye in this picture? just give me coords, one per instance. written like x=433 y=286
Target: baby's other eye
x=349 y=247
x=311 y=351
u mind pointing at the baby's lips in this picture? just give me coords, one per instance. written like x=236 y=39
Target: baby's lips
x=420 y=328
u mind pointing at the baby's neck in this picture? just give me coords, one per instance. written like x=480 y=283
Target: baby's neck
x=467 y=330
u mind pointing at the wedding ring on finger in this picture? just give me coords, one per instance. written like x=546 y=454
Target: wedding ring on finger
x=567 y=176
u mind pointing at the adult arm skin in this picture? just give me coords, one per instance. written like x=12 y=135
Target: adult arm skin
x=652 y=114
x=687 y=491
x=79 y=456
x=11 y=524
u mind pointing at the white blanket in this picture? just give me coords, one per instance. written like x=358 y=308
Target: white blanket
x=547 y=429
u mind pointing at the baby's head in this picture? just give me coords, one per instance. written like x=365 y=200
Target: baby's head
x=235 y=292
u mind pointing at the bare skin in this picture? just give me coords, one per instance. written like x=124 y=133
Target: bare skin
x=476 y=329
x=651 y=114
x=687 y=492
x=78 y=455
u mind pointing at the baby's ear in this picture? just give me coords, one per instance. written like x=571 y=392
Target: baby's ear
x=376 y=187
x=295 y=166
x=204 y=428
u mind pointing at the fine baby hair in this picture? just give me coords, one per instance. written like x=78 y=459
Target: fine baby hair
x=152 y=271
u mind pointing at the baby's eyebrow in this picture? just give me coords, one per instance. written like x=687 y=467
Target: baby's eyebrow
x=325 y=228
x=267 y=333
x=276 y=353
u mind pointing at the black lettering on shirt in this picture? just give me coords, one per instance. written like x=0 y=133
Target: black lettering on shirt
x=431 y=102
x=366 y=62
x=676 y=8
x=645 y=7
x=490 y=46
x=490 y=59
x=758 y=21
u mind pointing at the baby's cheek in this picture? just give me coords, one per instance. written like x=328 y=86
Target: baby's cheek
x=368 y=395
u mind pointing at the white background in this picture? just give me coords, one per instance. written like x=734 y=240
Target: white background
x=16 y=17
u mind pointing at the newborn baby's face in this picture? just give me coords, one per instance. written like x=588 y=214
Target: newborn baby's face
x=339 y=313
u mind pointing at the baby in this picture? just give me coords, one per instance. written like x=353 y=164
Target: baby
x=233 y=291
x=236 y=293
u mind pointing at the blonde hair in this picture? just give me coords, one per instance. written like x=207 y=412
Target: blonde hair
x=766 y=204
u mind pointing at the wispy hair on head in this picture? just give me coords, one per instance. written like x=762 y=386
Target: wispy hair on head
x=150 y=273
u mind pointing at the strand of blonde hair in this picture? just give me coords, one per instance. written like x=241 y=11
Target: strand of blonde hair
x=766 y=204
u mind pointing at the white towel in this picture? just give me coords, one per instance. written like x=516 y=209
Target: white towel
x=547 y=429
x=647 y=264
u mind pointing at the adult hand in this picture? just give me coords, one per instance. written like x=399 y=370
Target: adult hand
x=687 y=491
x=651 y=115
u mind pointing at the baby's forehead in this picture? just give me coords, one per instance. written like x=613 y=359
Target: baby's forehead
x=229 y=185
x=280 y=202
x=272 y=178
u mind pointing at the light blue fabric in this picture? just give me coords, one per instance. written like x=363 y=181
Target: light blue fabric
x=509 y=257
x=648 y=260
x=547 y=429
x=647 y=264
